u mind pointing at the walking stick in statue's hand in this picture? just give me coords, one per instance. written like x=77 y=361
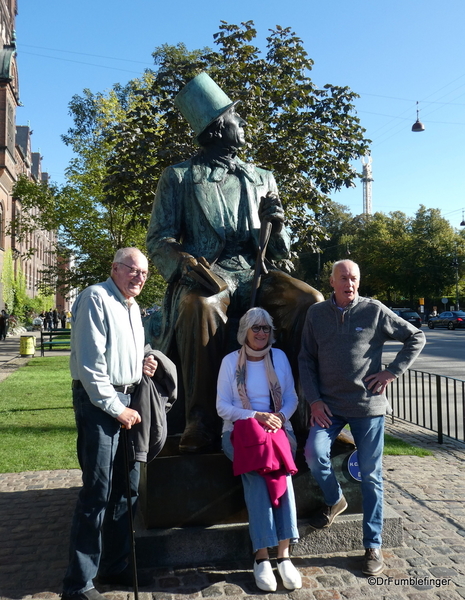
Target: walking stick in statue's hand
x=260 y=268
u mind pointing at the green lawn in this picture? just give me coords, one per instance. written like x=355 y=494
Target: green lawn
x=37 y=429
x=395 y=447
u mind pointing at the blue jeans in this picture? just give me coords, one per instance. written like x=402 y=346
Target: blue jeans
x=368 y=435
x=100 y=540
x=268 y=525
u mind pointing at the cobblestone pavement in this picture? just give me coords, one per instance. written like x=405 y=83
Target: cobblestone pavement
x=428 y=492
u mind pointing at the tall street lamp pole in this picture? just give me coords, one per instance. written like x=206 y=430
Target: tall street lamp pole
x=455 y=264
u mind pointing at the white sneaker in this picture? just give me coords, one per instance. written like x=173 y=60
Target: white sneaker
x=291 y=577
x=264 y=576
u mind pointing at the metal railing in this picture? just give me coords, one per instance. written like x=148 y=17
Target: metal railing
x=435 y=402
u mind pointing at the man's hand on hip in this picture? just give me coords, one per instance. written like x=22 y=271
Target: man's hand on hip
x=320 y=414
x=378 y=382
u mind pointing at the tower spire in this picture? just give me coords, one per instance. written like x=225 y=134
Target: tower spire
x=367 y=179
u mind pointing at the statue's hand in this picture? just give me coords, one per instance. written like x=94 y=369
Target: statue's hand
x=271 y=210
x=198 y=272
x=188 y=264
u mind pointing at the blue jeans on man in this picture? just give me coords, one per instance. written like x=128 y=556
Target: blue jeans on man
x=368 y=433
x=100 y=541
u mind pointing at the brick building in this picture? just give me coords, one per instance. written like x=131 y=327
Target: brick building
x=16 y=158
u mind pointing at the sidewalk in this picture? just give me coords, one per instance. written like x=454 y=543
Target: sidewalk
x=36 y=510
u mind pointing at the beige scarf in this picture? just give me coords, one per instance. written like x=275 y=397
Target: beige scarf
x=241 y=376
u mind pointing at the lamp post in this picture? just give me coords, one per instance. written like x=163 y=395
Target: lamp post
x=455 y=264
x=319 y=259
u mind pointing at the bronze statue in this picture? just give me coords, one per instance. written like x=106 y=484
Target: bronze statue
x=203 y=238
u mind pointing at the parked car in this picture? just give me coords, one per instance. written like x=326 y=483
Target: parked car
x=409 y=315
x=449 y=318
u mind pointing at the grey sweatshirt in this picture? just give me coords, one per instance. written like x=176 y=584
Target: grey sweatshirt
x=341 y=348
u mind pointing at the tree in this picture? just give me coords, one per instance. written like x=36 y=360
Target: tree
x=403 y=258
x=305 y=135
x=8 y=279
x=89 y=231
x=336 y=223
x=123 y=139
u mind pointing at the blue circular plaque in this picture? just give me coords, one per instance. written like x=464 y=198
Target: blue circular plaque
x=352 y=466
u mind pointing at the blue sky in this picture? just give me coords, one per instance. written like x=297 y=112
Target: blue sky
x=393 y=53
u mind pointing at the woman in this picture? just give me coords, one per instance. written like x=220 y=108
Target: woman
x=256 y=382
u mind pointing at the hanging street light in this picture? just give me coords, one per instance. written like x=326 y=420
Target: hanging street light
x=418 y=125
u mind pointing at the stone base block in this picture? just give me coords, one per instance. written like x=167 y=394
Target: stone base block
x=201 y=490
x=197 y=546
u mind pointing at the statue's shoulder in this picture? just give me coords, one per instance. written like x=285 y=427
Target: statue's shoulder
x=175 y=174
x=182 y=166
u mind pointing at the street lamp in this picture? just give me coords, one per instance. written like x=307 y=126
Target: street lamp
x=418 y=125
x=322 y=252
x=455 y=264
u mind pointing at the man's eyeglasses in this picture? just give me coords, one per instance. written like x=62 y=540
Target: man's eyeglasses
x=136 y=272
x=264 y=328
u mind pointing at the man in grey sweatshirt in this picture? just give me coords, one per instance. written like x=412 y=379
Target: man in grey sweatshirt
x=340 y=365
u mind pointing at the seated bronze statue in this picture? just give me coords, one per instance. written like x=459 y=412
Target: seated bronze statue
x=203 y=238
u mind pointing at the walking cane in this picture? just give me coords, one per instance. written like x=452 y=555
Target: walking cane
x=260 y=268
x=132 y=537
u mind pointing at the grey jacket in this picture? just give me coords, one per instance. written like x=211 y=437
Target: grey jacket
x=153 y=398
x=340 y=348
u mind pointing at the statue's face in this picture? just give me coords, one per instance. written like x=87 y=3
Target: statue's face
x=233 y=130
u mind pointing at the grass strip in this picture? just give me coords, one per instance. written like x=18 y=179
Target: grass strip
x=396 y=447
x=37 y=427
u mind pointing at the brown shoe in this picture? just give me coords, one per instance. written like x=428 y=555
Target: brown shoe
x=326 y=516
x=373 y=562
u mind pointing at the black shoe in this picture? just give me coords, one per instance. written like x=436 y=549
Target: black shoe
x=91 y=594
x=124 y=578
x=325 y=517
x=373 y=562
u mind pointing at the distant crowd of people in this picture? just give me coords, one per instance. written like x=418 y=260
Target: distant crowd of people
x=52 y=319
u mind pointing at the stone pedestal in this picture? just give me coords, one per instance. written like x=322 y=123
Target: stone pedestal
x=201 y=490
x=192 y=511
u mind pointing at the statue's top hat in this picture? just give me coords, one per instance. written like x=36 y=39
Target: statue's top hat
x=201 y=101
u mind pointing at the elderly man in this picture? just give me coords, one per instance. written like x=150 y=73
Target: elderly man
x=341 y=374
x=203 y=238
x=107 y=360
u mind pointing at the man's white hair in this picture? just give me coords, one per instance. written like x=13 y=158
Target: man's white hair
x=340 y=262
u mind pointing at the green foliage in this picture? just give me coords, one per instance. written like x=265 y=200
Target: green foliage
x=401 y=258
x=8 y=277
x=123 y=139
x=20 y=296
x=14 y=287
x=89 y=231
x=40 y=303
x=305 y=135
x=37 y=430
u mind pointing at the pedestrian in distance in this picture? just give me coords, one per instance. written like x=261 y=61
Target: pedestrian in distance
x=340 y=366
x=107 y=361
